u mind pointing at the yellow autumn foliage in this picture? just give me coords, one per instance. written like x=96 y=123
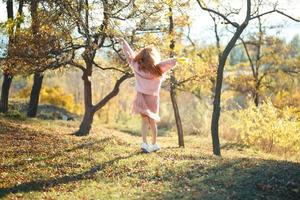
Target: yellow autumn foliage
x=268 y=128
x=55 y=96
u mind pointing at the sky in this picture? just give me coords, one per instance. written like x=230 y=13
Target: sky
x=292 y=7
x=201 y=29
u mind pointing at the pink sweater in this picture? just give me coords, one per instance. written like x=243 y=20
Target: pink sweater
x=147 y=83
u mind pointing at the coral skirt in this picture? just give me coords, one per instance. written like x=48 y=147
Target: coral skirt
x=146 y=105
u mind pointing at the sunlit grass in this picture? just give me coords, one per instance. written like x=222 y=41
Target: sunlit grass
x=42 y=160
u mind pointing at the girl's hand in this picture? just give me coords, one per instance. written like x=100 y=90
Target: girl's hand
x=183 y=60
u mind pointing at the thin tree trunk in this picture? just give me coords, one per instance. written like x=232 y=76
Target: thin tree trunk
x=218 y=45
x=35 y=94
x=257 y=65
x=177 y=116
x=20 y=12
x=7 y=79
x=256 y=94
x=218 y=90
x=173 y=86
x=256 y=100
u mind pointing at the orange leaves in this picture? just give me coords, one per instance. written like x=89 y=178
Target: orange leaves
x=37 y=47
x=29 y=53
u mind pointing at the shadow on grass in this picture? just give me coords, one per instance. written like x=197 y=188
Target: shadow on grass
x=44 y=184
x=236 y=179
x=83 y=145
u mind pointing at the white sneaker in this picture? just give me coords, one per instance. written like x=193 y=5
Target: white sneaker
x=145 y=148
x=155 y=147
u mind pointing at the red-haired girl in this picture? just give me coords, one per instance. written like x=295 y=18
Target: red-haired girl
x=149 y=73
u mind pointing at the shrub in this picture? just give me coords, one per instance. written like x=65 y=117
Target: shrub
x=269 y=128
x=15 y=114
x=55 y=96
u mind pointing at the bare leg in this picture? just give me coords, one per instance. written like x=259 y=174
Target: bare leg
x=153 y=128
x=144 y=128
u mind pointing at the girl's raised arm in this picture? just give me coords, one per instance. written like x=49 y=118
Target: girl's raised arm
x=129 y=53
x=165 y=65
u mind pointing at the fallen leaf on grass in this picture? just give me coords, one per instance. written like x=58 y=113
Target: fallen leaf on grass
x=263 y=187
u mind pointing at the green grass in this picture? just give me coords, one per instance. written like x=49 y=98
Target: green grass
x=42 y=160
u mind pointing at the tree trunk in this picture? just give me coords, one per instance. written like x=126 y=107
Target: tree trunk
x=218 y=89
x=86 y=123
x=173 y=86
x=177 y=115
x=35 y=94
x=257 y=65
x=7 y=79
x=90 y=110
x=256 y=96
x=87 y=120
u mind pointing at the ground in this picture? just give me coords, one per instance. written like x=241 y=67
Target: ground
x=43 y=160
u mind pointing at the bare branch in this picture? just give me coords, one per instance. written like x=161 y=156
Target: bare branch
x=113 y=93
x=275 y=11
x=248 y=55
x=286 y=15
x=108 y=68
x=265 y=13
x=235 y=24
x=191 y=78
x=75 y=64
x=123 y=7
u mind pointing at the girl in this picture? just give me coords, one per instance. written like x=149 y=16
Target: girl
x=149 y=73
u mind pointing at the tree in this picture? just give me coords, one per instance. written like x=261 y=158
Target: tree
x=173 y=81
x=39 y=47
x=97 y=37
x=267 y=56
x=239 y=28
x=38 y=77
x=7 y=74
x=189 y=73
x=45 y=19
x=224 y=54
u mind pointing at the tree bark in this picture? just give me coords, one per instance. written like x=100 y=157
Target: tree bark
x=218 y=89
x=90 y=110
x=256 y=99
x=257 y=63
x=173 y=86
x=256 y=91
x=7 y=79
x=35 y=94
x=86 y=123
x=38 y=77
x=177 y=115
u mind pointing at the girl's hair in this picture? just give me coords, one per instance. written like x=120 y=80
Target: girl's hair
x=148 y=59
